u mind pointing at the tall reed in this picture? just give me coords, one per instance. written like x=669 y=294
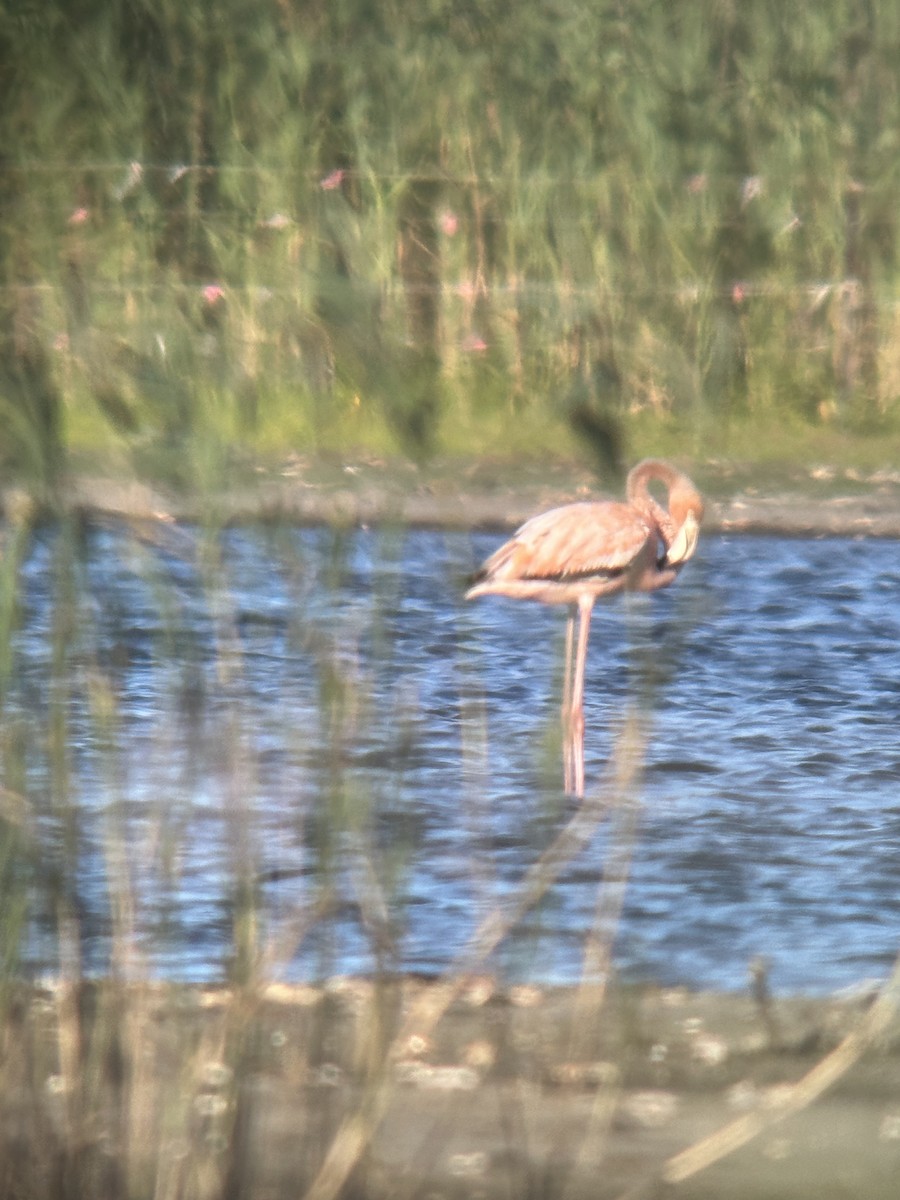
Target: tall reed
x=347 y=230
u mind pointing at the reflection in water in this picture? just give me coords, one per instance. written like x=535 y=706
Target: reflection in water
x=292 y=730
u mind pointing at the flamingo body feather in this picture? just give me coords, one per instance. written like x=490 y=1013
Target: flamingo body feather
x=574 y=553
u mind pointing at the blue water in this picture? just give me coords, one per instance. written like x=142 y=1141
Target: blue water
x=320 y=722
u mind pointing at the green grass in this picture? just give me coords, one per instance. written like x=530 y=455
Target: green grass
x=359 y=232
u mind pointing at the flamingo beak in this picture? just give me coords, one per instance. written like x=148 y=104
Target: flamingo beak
x=685 y=541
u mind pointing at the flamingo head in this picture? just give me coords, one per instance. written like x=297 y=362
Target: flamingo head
x=686 y=512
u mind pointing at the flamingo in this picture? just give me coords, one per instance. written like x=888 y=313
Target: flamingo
x=575 y=553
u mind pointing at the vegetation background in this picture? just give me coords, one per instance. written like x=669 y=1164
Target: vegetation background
x=233 y=232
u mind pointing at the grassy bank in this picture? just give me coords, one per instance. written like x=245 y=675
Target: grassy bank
x=350 y=230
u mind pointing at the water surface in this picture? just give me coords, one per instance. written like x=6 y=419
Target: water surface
x=301 y=723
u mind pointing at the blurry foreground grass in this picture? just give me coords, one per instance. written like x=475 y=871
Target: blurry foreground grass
x=117 y=1080
x=282 y=1091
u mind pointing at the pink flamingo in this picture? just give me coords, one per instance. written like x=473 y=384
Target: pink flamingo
x=573 y=554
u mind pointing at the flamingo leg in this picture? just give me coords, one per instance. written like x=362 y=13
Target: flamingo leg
x=585 y=607
x=568 y=762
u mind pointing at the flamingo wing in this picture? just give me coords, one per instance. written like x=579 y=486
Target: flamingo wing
x=575 y=541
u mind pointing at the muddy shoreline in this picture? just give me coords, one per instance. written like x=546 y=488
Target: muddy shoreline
x=520 y=1091
x=814 y=502
x=562 y=1091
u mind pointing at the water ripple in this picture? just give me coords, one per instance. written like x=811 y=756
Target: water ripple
x=328 y=717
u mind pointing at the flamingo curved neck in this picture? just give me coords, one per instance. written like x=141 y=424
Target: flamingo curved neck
x=638 y=494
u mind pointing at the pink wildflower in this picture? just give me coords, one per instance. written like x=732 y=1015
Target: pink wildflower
x=332 y=181
x=78 y=216
x=213 y=293
x=131 y=180
x=449 y=222
x=751 y=188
